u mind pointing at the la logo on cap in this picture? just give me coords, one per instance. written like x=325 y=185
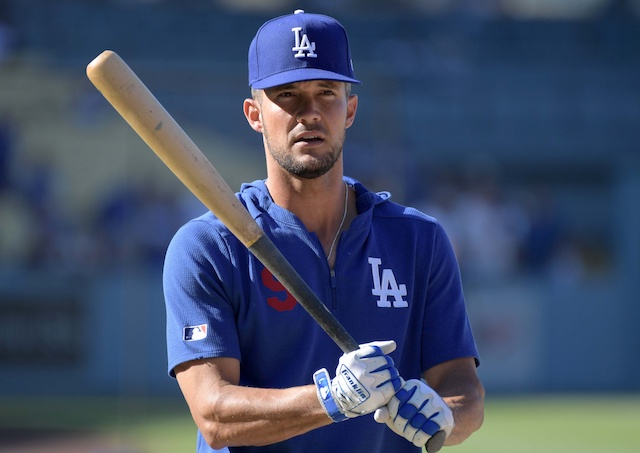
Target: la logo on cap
x=298 y=47
x=303 y=44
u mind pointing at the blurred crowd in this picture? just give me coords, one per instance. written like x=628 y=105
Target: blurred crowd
x=501 y=233
x=497 y=232
x=130 y=225
x=496 y=235
x=566 y=9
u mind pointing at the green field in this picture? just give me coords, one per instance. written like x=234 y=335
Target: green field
x=557 y=424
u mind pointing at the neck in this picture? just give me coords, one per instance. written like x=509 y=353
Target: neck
x=315 y=201
x=319 y=204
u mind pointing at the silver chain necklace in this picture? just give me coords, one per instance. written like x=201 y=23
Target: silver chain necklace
x=344 y=216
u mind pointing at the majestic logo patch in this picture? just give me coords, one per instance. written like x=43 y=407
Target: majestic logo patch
x=195 y=333
x=386 y=286
x=303 y=45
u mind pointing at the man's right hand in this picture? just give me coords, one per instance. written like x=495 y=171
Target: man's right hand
x=366 y=379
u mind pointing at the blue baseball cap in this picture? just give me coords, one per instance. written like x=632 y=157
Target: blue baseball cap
x=299 y=47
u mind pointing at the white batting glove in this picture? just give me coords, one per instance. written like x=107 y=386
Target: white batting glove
x=418 y=414
x=366 y=379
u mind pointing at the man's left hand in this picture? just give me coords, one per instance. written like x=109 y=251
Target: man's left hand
x=417 y=413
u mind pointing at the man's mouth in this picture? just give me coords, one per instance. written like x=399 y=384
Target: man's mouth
x=312 y=138
x=309 y=138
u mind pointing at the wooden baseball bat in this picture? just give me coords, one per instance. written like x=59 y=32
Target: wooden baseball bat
x=144 y=113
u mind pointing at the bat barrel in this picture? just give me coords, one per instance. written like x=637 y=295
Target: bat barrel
x=144 y=113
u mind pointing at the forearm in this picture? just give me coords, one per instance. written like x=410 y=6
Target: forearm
x=458 y=384
x=228 y=414
x=235 y=415
x=468 y=413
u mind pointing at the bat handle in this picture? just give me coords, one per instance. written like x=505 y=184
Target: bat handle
x=436 y=442
x=272 y=258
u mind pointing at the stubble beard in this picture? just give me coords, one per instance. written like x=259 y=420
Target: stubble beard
x=304 y=168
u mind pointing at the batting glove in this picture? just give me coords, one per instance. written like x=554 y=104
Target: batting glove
x=418 y=414
x=366 y=379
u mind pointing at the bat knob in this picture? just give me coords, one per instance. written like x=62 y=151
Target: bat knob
x=436 y=442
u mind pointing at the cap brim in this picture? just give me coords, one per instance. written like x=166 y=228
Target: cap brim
x=300 y=75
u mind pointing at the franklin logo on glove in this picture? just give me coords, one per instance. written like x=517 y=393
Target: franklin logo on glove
x=354 y=384
x=366 y=379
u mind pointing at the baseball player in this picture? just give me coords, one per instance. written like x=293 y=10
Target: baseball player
x=258 y=374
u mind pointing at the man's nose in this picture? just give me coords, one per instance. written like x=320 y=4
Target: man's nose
x=308 y=110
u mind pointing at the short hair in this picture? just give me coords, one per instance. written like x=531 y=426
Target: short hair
x=255 y=93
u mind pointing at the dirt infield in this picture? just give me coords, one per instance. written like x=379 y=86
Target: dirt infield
x=58 y=441
x=85 y=424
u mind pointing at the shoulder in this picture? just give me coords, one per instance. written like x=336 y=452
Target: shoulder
x=383 y=207
x=199 y=229
x=200 y=242
x=381 y=204
x=207 y=227
x=393 y=209
x=384 y=215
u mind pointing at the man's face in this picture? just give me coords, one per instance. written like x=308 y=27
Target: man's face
x=304 y=123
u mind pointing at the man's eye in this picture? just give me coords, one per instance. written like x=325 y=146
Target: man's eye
x=285 y=94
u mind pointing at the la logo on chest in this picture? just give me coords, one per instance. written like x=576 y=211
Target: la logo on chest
x=385 y=286
x=303 y=45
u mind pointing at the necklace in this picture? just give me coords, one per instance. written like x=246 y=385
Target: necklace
x=344 y=216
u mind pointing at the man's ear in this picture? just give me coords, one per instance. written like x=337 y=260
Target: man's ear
x=251 y=109
x=352 y=107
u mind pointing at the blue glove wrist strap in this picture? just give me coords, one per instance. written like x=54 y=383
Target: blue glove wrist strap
x=323 y=386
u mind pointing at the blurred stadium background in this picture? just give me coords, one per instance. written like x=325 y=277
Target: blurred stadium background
x=515 y=122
